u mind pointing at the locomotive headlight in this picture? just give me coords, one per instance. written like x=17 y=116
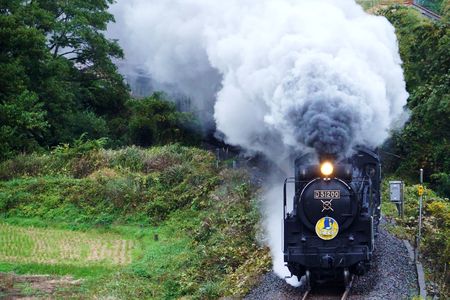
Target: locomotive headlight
x=326 y=168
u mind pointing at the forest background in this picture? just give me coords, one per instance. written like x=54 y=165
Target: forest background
x=78 y=152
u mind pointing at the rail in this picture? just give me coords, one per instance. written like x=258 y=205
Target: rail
x=308 y=294
x=425 y=11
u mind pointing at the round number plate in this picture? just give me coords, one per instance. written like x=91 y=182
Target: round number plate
x=327 y=228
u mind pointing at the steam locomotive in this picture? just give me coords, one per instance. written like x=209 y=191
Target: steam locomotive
x=330 y=232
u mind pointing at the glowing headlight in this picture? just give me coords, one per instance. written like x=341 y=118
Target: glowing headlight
x=326 y=168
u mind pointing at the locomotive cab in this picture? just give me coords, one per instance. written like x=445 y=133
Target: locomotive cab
x=332 y=226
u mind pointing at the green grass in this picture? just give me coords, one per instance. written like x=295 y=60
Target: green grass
x=162 y=262
x=87 y=255
x=159 y=223
x=152 y=262
x=57 y=270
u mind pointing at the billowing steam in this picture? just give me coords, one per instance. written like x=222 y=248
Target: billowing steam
x=279 y=76
x=284 y=75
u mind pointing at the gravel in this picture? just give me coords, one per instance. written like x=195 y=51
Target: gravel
x=392 y=276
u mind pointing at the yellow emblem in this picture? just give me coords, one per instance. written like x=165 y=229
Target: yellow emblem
x=327 y=228
x=420 y=190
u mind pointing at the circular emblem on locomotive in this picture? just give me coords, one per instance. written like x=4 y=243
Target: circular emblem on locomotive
x=327 y=228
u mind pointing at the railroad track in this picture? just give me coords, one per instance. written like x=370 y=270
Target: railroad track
x=309 y=294
x=426 y=12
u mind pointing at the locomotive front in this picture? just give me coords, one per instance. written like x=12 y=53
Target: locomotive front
x=329 y=233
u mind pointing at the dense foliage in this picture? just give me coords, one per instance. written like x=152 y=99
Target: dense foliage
x=56 y=70
x=155 y=121
x=100 y=186
x=425 y=140
x=58 y=81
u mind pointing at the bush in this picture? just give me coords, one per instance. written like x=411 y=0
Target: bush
x=155 y=121
x=103 y=186
x=424 y=142
x=24 y=165
x=440 y=182
x=86 y=123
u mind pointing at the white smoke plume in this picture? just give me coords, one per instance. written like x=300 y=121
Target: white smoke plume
x=279 y=76
x=282 y=75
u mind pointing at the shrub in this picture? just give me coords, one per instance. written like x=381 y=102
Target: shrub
x=130 y=158
x=155 y=121
x=91 y=181
x=24 y=165
x=440 y=182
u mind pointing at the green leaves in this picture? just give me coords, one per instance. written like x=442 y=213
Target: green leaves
x=424 y=142
x=22 y=122
x=154 y=120
x=57 y=80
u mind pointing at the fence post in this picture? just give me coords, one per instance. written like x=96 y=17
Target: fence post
x=419 y=236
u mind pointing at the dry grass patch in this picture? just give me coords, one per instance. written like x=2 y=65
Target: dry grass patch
x=54 y=246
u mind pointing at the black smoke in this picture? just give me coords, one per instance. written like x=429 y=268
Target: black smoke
x=327 y=125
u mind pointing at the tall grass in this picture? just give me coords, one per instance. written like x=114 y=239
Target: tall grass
x=193 y=226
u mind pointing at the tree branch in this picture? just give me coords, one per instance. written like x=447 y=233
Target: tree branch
x=70 y=52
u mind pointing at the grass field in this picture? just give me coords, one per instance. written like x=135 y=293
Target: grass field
x=70 y=262
x=96 y=257
x=30 y=245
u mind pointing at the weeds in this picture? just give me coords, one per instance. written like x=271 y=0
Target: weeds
x=206 y=222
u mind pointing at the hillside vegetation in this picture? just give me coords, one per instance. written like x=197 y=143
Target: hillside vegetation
x=157 y=223
x=425 y=140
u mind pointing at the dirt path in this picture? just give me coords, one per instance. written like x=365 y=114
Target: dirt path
x=37 y=287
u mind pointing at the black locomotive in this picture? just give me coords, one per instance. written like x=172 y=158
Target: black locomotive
x=330 y=232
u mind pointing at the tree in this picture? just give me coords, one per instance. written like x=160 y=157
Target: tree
x=153 y=120
x=76 y=33
x=425 y=140
x=22 y=49
x=57 y=76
